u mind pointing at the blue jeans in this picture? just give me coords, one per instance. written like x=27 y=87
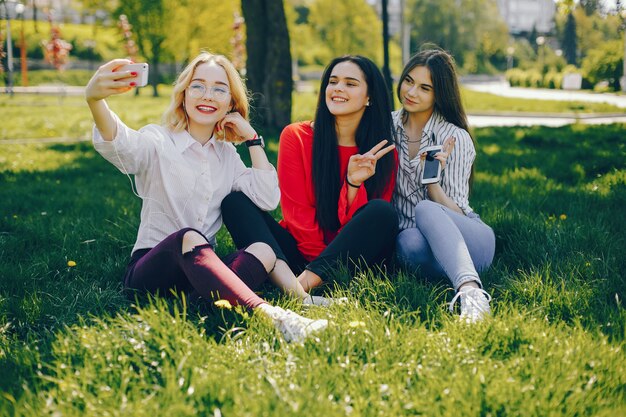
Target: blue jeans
x=446 y=243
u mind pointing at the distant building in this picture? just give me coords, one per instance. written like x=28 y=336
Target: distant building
x=521 y=16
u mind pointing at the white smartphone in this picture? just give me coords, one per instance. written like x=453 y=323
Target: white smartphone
x=432 y=167
x=140 y=69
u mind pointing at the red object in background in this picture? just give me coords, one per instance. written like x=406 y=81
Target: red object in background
x=2 y=53
x=56 y=50
x=129 y=43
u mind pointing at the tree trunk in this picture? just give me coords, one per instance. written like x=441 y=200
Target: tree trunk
x=269 y=63
x=154 y=75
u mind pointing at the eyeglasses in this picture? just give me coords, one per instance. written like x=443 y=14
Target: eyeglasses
x=198 y=90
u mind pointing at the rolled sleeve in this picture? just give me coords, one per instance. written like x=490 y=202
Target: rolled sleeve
x=459 y=169
x=128 y=150
x=260 y=185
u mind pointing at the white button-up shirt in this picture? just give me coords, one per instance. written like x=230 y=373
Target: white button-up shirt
x=181 y=182
x=454 y=179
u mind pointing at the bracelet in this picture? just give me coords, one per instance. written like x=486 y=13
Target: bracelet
x=352 y=185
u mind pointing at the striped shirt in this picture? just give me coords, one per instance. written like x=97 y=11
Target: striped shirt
x=454 y=179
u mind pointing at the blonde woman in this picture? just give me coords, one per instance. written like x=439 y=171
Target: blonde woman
x=183 y=169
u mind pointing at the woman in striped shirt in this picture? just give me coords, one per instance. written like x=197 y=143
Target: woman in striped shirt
x=440 y=232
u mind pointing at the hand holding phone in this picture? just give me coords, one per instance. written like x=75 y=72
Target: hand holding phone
x=141 y=79
x=431 y=172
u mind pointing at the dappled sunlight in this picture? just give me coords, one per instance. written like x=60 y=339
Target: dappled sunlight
x=41 y=158
x=552 y=197
x=491 y=149
x=610 y=182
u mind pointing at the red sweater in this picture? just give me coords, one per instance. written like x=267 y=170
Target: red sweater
x=297 y=200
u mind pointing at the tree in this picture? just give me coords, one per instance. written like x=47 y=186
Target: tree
x=569 y=40
x=149 y=19
x=591 y=31
x=205 y=27
x=353 y=27
x=591 y=6
x=269 y=62
x=605 y=63
x=94 y=7
x=472 y=30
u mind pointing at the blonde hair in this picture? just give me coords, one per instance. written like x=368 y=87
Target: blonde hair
x=175 y=117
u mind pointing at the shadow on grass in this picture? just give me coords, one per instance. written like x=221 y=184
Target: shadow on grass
x=553 y=197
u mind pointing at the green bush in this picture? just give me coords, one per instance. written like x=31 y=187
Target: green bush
x=605 y=63
x=515 y=77
x=553 y=79
x=534 y=79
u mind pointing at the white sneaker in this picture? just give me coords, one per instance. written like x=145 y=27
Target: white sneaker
x=294 y=327
x=316 y=300
x=474 y=304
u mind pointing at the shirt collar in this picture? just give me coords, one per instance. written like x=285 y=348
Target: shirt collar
x=433 y=125
x=183 y=140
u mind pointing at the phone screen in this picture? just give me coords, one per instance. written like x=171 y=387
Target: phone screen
x=431 y=165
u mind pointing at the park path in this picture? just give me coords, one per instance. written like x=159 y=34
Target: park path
x=500 y=88
x=551 y=120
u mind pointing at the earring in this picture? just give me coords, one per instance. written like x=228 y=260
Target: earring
x=368 y=103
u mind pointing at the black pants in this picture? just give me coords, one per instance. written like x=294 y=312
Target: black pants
x=369 y=237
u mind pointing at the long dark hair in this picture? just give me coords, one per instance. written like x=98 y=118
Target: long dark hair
x=445 y=84
x=375 y=125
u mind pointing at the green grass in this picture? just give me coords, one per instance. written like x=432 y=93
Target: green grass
x=479 y=102
x=40 y=116
x=37 y=116
x=72 y=344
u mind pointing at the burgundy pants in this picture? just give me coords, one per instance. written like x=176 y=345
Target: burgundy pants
x=199 y=271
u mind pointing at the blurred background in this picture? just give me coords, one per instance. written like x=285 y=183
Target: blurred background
x=282 y=46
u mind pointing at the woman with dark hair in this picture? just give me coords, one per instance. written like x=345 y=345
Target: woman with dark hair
x=336 y=179
x=440 y=232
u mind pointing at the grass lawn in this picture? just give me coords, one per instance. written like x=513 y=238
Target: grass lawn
x=37 y=116
x=72 y=344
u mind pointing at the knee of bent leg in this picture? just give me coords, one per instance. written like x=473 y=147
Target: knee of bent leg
x=264 y=253
x=233 y=200
x=410 y=247
x=385 y=215
x=425 y=209
x=192 y=239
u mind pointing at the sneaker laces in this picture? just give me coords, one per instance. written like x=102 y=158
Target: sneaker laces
x=294 y=327
x=474 y=304
x=317 y=300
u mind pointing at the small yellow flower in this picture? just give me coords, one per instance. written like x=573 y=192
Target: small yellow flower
x=563 y=216
x=587 y=264
x=71 y=263
x=356 y=324
x=223 y=304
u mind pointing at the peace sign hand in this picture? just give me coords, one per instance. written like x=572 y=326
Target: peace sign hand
x=362 y=167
